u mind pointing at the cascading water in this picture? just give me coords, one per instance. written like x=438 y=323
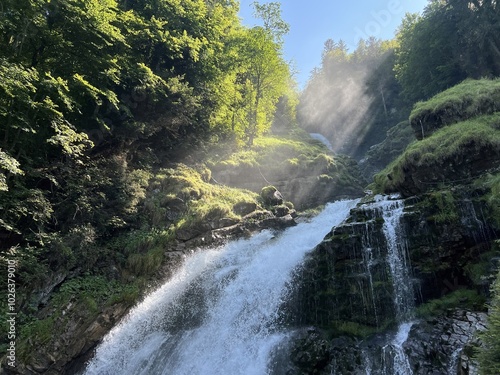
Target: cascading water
x=368 y=262
x=220 y=313
x=391 y=209
x=404 y=300
x=322 y=139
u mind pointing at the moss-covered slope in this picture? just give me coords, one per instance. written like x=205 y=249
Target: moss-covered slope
x=303 y=169
x=466 y=100
x=465 y=149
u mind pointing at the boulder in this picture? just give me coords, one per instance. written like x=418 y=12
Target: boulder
x=271 y=196
x=244 y=208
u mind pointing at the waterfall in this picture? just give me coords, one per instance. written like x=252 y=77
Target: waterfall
x=219 y=314
x=391 y=209
x=400 y=363
x=322 y=139
x=368 y=262
x=453 y=363
x=473 y=223
x=398 y=258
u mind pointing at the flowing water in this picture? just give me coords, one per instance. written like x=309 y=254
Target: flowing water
x=322 y=139
x=404 y=297
x=391 y=210
x=220 y=313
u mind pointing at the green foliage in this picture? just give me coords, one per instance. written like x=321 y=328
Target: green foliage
x=482 y=271
x=453 y=142
x=451 y=41
x=489 y=353
x=37 y=332
x=461 y=298
x=464 y=101
x=82 y=296
x=270 y=13
x=444 y=204
x=268 y=152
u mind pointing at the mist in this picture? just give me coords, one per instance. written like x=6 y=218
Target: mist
x=351 y=98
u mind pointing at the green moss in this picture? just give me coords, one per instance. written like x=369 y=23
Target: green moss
x=444 y=203
x=202 y=200
x=467 y=100
x=489 y=353
x=461 y=298
x=353 y=329
x=490 y=183
x=37 y=332
x=447 y=144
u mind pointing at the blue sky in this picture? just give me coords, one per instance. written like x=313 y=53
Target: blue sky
x=312 y=22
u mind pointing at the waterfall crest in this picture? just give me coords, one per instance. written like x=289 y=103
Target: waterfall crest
x=219 y=314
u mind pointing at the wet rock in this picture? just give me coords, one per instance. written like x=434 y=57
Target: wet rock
x=311 y=353
x=278 y=222
x=444 y=344
x=186 y=234
x=281 y=210
x=175 y=209
x=271 y=196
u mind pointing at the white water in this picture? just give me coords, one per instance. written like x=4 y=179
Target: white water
x=401 y=363
x=322 y=139
x=220 y=313
x=404 y=300
x=454 y=361
x=391 y=210
x=368 y=261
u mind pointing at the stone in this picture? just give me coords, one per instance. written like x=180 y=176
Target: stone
x=175 y=209
x=271 y=196
x=281 y=210
x=244 y=208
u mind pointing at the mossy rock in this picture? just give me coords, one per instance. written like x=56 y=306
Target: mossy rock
x=271 y=196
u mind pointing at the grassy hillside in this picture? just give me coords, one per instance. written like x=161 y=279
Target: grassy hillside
x=303 y=169
x=466 y=148
x=467 y=100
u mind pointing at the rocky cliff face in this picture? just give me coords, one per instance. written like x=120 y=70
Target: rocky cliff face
x=347 y=289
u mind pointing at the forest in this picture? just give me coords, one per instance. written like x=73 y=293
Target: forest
x=105 y=102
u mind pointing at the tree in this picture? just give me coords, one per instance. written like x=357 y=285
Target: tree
x=266 y=78
x=270 y=13
x=451 y=41
x=256 y=77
